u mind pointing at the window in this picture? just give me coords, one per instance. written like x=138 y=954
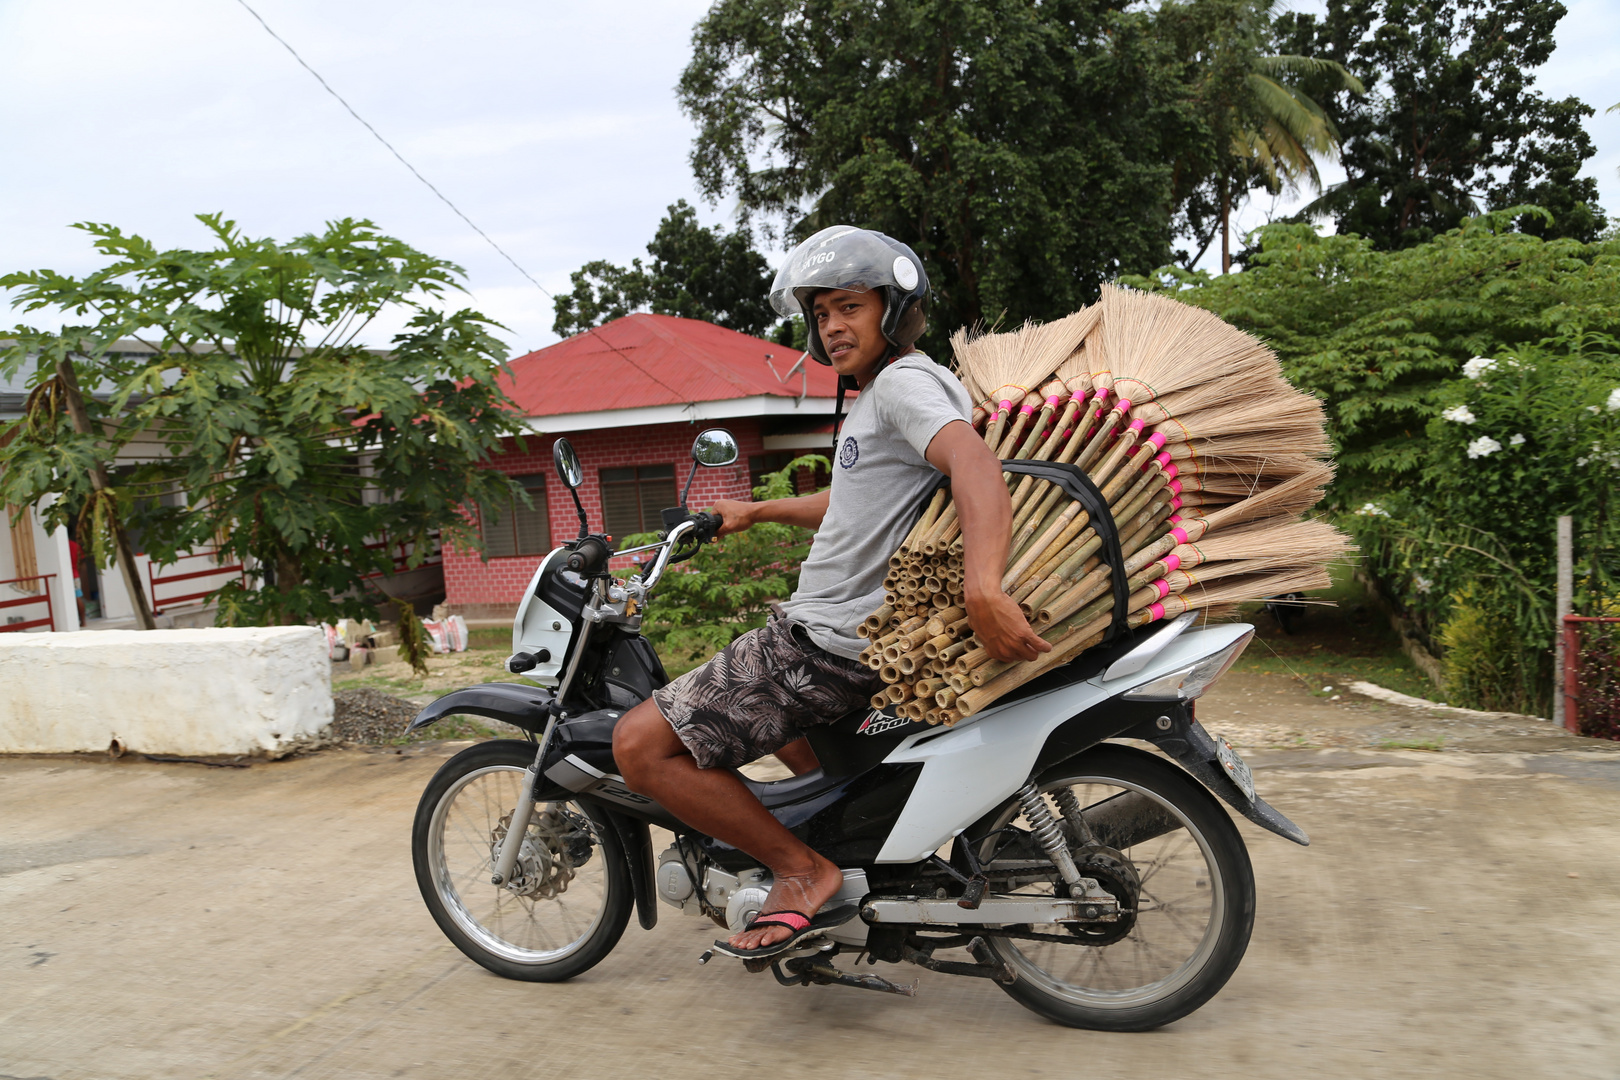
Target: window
x=516 y=529
x=633 y=497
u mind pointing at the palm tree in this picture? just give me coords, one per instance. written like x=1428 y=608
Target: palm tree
x=1278 y=131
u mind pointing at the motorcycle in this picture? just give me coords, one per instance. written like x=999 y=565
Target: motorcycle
x=1097 y=883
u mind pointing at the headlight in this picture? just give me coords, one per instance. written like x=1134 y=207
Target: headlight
x=1185 y=684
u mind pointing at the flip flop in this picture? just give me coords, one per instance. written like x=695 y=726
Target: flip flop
x=802 y=925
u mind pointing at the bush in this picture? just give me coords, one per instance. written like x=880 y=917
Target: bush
x=1482 y=662
x=1469 y=551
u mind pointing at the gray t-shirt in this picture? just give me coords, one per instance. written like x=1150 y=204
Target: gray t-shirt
x=879 y=477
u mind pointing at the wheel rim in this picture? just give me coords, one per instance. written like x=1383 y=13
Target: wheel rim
x=521 y=929
x=1179 y=916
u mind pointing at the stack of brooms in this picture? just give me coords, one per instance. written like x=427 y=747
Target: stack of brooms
x=1204 y=455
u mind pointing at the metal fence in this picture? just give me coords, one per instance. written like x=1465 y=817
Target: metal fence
x=44 y=598
x=1591 y=676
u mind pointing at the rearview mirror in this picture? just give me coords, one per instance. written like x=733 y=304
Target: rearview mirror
x=715 y=446
x=567 y=462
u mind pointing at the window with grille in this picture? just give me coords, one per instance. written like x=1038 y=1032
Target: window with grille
x=515 y=529
x=632 y=498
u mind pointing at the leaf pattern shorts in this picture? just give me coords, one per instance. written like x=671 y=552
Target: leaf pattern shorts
x=753 y=697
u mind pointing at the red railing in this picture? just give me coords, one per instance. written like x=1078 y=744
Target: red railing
x=1571 y=675
x=155 y=579
x=26 y=624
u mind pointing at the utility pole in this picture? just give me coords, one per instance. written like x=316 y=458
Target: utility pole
x=1566 y=600
x=101 y=482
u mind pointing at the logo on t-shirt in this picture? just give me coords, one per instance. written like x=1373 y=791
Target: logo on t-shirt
x=849 y=453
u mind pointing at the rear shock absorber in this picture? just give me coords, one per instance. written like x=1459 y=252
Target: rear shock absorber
x=1069 y=804
x=1046 y=832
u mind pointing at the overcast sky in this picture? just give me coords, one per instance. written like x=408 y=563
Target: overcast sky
x=553 y=126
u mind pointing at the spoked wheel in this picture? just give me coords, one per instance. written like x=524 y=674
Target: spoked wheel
x=1162 y=845
x=570 y=895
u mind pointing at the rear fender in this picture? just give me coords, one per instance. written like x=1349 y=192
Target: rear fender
x=1185 y=739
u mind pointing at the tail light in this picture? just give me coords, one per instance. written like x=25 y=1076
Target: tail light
x=1185 y=684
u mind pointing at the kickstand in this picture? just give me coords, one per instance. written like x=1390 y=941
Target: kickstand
x=808 y=969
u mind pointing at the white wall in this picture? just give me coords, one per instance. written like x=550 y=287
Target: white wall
x=194 y=692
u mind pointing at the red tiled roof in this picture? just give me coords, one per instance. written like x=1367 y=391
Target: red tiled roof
x=644 y=360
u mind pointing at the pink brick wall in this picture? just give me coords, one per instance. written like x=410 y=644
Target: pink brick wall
x=468 y=580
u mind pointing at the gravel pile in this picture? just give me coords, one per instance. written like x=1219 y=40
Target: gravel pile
x=370 y=716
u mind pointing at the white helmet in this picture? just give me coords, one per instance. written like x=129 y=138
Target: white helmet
x=860 y=260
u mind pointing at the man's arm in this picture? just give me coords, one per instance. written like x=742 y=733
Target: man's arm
x=805 y=510
x=985 y=511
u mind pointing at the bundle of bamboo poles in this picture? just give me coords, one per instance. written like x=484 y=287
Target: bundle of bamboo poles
x=1203 y=452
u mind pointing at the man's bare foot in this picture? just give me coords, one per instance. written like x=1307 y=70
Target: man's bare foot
x=805 y=892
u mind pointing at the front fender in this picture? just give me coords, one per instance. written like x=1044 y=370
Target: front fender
x=526 y=707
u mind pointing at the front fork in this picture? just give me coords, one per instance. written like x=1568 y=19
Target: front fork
x=512 y=842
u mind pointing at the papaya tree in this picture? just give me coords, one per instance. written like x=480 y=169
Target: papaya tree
x=249 y=416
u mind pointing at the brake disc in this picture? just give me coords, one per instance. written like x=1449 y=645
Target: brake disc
x=545 y=863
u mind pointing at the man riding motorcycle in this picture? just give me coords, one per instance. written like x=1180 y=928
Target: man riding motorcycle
x=863 y=296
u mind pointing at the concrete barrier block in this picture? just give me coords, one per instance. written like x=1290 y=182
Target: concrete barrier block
x=248 y=690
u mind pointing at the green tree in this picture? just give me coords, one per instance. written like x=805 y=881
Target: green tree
x=1026 y=151
x=1452 y=124
x=279 y=437
x=695 y=272
x=1379 y=334
x=1267 y=131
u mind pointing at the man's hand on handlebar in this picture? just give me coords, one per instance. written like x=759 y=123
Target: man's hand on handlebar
x=735 y=516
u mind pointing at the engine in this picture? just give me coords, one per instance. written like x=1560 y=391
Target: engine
x=737 y=898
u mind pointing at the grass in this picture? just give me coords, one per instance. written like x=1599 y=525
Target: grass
x=1334 y=645
x=1412 y=744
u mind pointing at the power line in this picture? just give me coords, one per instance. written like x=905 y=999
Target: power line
x=442 y=196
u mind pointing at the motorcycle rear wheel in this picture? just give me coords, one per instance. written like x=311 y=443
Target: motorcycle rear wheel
x=575 y=894
x=1195 y=910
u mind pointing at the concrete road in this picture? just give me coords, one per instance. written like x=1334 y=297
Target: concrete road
x=1455 y=917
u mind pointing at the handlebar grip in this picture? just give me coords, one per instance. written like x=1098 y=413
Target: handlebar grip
x=708 y=526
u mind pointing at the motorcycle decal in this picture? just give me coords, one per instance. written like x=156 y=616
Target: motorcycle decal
x=850 y=453
x=877 y=724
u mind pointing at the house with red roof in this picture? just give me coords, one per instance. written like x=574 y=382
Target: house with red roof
x=631 y=395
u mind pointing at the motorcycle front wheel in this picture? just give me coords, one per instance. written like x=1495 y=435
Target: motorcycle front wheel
x=1189 y=891
x=569 y=897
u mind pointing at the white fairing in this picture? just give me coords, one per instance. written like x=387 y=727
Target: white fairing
x=971 y=768
x=540 y=626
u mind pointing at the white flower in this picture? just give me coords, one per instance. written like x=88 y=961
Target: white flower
x=1373 y=510
x=1421 y=583
x=1517 y=440
x=1593 y=409
x=1581 y=461
x=1458 y=414
x=1614 y=400
x=1478 y=366
x=1484 y=446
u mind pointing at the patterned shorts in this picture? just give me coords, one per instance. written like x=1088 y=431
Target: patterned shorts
x=753 y=697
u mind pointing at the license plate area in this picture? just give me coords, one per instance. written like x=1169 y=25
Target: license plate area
x=1236 y=768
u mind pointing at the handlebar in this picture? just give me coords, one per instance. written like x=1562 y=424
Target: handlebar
x=649 y=580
